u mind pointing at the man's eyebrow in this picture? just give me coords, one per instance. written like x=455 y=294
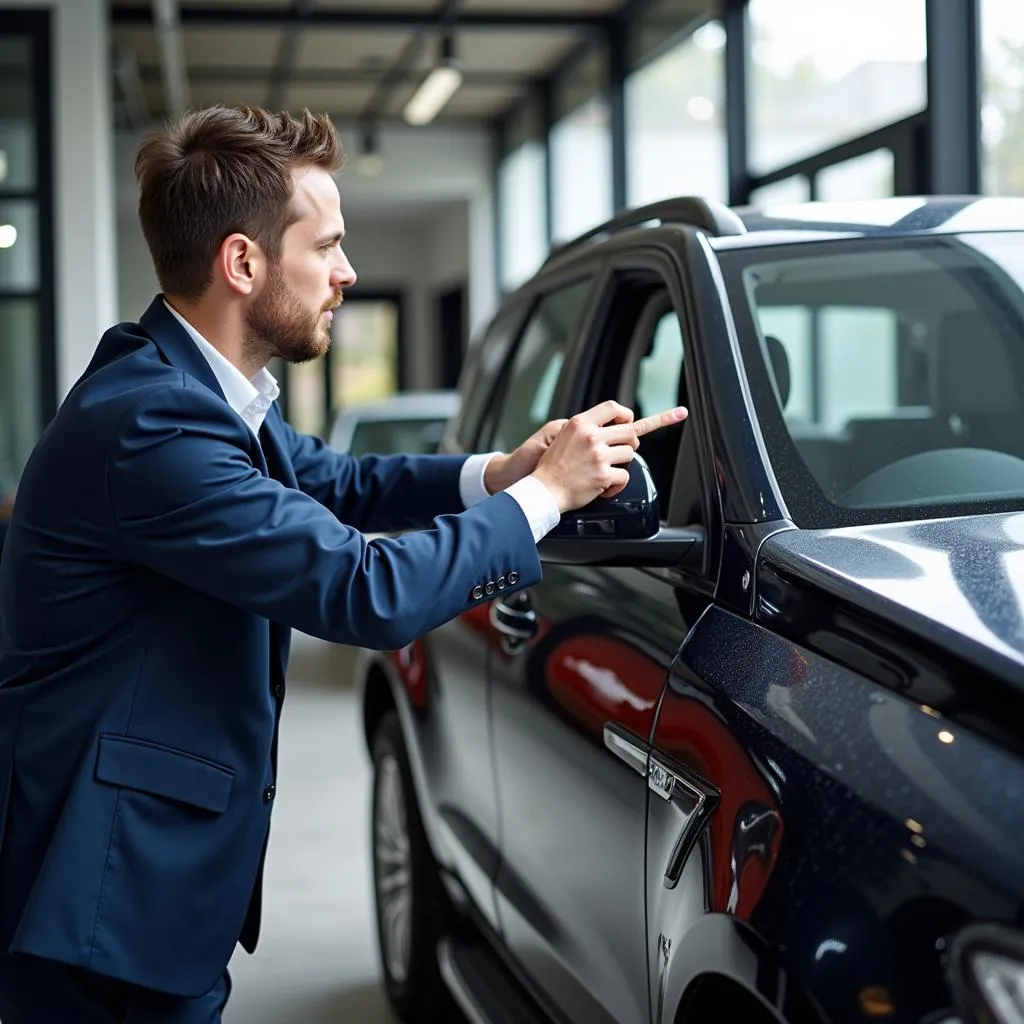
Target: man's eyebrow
x=334 y=237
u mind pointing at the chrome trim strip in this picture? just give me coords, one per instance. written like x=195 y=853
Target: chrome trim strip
x=695 y=800
x=627 y=747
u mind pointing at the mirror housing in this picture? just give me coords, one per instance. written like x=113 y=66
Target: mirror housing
x=632 y=514
x=624 y=530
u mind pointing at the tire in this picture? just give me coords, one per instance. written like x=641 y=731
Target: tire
x=412 y=909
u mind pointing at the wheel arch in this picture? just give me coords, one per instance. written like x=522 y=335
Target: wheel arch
x=724 y=956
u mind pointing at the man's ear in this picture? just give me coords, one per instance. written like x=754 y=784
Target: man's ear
x=241 y=263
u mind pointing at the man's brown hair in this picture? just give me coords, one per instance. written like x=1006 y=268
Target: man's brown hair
x=218 y=171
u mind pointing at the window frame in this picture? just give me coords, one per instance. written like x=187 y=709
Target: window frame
x=538 y=291
x=596 y=374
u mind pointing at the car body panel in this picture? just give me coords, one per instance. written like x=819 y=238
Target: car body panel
x=794 y=764
x=573 y=813
x=957 y=582
x=887 y=839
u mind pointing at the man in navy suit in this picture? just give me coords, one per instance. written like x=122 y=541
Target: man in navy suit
x=169 y=529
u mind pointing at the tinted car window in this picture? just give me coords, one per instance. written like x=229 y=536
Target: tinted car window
x=657 y=384
x=482 y=369
x=531 y=383
x=889 y=371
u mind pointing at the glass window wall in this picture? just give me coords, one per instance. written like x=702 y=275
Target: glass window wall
x=581 y=153
x=675 y=121
x=1002 y=107
x=824 y=71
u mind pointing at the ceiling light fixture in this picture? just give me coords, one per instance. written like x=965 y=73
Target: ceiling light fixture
x=8 y=235
x=437 y=88
x=370 y=162
x=3 y=165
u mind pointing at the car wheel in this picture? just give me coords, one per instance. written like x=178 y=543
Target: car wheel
x=411 y=904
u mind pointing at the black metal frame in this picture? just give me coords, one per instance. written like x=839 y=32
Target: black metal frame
x=953 y=163
x=36 y=26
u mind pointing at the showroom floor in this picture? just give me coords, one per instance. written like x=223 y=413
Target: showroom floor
x=317 y=959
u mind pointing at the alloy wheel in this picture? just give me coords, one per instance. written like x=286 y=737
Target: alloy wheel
x=394 y=869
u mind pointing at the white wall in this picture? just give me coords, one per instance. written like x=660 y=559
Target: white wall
x=86 y=268
x=428 y=166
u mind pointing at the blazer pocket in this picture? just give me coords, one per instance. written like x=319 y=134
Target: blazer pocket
x=163 y=771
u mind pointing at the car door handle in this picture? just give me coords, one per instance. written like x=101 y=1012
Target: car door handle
x=514 y=618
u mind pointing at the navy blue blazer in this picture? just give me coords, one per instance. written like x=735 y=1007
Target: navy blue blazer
x=156 y=558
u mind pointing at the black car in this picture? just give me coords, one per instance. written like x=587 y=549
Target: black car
x=753 y=751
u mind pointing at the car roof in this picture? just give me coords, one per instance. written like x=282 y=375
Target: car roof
x=786 y=224
x=898 y=216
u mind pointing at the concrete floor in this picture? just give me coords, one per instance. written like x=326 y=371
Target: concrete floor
x=317 y=962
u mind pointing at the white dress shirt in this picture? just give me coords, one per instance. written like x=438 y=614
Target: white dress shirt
x=251 y=399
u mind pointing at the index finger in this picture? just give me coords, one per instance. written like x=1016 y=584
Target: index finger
x=659 y=420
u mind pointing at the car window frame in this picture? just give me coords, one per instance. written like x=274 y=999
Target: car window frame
x=517 y=308
x=648 y=255
x=538 y=290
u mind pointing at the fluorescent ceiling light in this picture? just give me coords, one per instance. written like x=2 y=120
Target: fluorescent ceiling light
x=8 y=235
x=428 y=100
x=3 y=165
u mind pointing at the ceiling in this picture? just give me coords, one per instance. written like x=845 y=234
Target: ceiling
x=353 y=59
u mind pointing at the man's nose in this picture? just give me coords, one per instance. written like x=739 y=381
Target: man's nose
x=344 y=275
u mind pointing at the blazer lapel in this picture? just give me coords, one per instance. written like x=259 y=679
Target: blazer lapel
x=279 y=465
x=180 y=350
x=176 y=346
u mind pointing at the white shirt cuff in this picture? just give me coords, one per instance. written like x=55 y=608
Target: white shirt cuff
x=471 y=478
x=538 y=505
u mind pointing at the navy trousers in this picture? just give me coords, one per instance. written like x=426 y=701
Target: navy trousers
x=37 y=991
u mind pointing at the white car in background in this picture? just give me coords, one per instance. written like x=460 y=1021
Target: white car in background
x=411 y=422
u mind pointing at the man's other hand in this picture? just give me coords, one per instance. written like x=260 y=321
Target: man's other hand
x=504 y=470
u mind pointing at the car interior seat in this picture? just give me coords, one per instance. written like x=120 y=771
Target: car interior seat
x=977 y=398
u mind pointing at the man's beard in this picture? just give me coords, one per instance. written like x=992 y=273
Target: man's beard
x=279 y=325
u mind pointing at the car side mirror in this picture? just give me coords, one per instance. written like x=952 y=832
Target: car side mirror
x=623 y=530
x=629 y=515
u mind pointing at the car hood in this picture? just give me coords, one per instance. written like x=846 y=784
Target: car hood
x=957 y=582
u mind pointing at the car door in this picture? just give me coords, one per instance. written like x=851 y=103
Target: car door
x=446 y=672
x=573 y=704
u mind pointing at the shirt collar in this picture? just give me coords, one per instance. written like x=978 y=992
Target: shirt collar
x=249 y=398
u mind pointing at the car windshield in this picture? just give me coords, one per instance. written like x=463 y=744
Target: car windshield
x=387 y=437
x=886 y=373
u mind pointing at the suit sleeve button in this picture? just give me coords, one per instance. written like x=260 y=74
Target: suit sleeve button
x=502 y=582
x=269 y=793
x=489 y=588
x=513 y=578
x=476 y=593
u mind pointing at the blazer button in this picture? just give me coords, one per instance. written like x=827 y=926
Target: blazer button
x=501 y=582
x=476 y=593
x=489 y=588
x=268 y=793
x=278 y=691
x=513 y=578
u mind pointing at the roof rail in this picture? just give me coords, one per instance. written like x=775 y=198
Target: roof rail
x=708 y=214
